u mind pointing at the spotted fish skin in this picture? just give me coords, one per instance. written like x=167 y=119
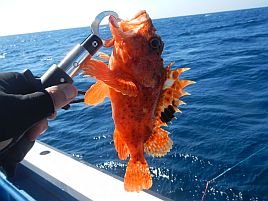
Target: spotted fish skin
x=144 y=94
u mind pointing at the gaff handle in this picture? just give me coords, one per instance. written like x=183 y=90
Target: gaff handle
x=70 y=65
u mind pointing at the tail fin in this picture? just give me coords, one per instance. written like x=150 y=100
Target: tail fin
x=137 y=176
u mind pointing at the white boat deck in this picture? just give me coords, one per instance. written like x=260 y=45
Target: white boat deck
x=71 y=175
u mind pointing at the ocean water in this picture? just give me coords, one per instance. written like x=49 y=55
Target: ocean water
x=224 y=124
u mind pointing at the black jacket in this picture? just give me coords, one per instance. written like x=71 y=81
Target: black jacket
x=21 y=106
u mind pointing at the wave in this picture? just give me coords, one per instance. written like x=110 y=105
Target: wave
x=3 y=55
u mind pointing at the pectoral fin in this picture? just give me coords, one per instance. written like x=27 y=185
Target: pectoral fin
x=96 y=93
x=104 y=56
x=114 y=79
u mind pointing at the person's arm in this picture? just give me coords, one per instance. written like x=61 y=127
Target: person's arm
x=24 y=113
x=20 y=105
x=20 y=112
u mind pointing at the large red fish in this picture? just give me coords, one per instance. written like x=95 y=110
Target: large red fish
x=144 y=94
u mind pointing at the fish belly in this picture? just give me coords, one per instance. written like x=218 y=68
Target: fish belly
x=134 y=116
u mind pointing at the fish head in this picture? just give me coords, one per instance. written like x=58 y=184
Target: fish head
x=138 y=49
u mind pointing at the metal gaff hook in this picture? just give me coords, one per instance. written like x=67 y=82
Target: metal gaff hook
x=96 y=23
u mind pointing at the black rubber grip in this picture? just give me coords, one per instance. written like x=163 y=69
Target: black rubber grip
x=55 y=76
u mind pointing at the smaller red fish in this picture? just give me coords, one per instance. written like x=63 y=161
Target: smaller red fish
x=144 y=94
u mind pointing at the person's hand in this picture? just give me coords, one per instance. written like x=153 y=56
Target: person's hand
x=61 y=96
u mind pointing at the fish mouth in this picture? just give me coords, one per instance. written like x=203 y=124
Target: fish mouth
x=130 y=38
x=126 y=28
x=116 y=31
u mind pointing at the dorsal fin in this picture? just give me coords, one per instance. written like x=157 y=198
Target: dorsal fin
x=159 y=143
x=172 y=91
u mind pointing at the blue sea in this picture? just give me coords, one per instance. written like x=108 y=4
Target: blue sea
x=224 y=124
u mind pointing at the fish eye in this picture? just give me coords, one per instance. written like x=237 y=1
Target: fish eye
x=156 y=43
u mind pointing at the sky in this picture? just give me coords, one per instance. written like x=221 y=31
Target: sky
x=27 y=16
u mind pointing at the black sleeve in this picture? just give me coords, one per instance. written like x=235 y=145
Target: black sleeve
x=20 y=105
x=14 y=155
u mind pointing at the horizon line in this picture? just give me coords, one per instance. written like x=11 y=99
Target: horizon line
x=194 y=14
